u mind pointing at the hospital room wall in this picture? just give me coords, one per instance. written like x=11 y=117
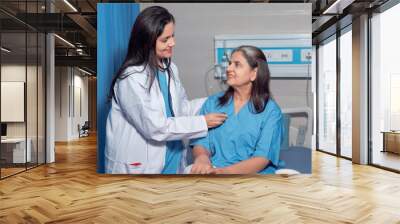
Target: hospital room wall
x=195 y=31
x=71 y=102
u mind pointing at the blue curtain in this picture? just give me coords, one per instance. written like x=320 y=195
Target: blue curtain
x=114 y=24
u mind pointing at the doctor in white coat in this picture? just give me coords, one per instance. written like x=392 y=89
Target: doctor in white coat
x=150 y=114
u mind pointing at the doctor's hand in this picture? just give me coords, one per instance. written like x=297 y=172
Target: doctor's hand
x=202 y=165
x=214 y=120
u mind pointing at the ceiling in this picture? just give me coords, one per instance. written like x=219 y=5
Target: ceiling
x=77 y=23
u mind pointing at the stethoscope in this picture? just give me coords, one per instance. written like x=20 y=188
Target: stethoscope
x=169 y=88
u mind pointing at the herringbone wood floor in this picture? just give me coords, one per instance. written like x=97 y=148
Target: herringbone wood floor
x=70 y=191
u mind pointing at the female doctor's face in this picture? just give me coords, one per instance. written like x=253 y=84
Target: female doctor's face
x=165 y=42
x=239 y=73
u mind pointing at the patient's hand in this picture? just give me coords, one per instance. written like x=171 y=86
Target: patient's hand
x=219 y=171
x=202 y=165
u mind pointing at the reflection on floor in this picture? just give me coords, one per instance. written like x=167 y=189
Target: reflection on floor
x=386 y=159
x=10 y=169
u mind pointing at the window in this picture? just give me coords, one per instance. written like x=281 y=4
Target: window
x=327 y=96
x=385 y=87
x=346 y=92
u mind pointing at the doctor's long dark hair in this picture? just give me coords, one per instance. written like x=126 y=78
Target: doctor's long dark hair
x=260 y=91
x=148 y=26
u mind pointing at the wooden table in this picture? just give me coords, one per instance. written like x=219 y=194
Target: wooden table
x=391 y=141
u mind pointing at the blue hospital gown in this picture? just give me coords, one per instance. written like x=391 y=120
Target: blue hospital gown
x=243 y=135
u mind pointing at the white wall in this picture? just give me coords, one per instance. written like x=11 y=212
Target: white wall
x=61 y=103
x=80 y=83
x=68 y=83
x=16 y=72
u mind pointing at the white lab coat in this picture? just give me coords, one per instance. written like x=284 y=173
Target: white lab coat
x=137 y=128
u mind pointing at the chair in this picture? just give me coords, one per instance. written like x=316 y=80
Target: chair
x=295 y=154
x=295 y=158
x=84 y=130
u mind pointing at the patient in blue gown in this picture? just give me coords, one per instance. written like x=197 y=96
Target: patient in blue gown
x=250 y=138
